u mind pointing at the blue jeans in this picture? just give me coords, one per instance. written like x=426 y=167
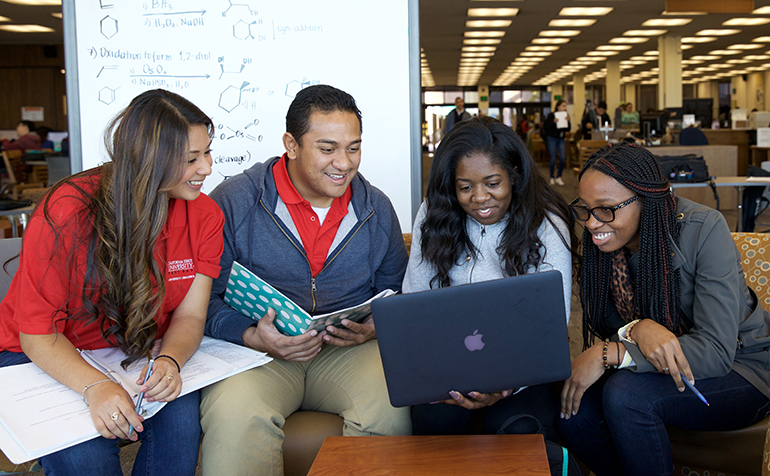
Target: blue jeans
x=620 y=428
x=554 y=145
x=170 y=442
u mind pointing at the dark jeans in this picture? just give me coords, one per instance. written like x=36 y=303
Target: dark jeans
x=620 y=426
x=170 y=442
x=442 y=419
x=554 y=144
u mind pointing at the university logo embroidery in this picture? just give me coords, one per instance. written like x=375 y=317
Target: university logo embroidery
x=181 y=266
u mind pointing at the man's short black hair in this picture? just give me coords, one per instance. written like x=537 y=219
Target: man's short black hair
x=601 y=105
x=30 y=125
x=321 y=98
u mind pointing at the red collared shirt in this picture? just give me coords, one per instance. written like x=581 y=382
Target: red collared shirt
x=316 y=238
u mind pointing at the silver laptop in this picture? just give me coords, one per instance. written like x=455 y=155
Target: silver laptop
x=485 y=337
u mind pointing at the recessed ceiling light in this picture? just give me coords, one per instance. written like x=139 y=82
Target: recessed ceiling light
x=2 y=18
x=762 y=11
x=687 y=47
x=559 y=33
x=536 y=53
x=26 y=28
x=651 y=53
x=602 y=53
x=485 y=34
x=57 y=15
x=485 y=41
x=762 y=39
x=738 y=61
x=629 y=40
x=589 y=58
x=469 y=54
x=478 y=48
x=492 y=12
x=725 y=52
x=750 y=46
x=698 y=39
x=584 y=11
x=34 y=2
x=746 y=21
x=705 y=57
x=645 y=32
x=572 y=23
x=667 y=21
x=488 y=23
x=756 y=57
x=541 y=48
x=717 y=32
x=550 y=41
x=613 y=47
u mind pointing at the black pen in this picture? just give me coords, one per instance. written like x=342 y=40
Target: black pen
x=692 y=387
x=141 y=395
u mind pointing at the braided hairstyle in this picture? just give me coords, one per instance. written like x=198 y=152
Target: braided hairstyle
x=657 y=293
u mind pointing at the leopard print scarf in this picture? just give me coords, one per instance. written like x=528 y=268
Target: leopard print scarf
x=622 y=285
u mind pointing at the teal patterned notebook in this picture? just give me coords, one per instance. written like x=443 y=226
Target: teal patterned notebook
x=252 y=297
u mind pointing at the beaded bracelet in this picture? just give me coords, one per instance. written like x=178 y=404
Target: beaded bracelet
x=604 y=353
x=83 y=393
x=178 y=368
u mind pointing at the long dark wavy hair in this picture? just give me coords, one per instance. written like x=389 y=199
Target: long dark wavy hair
x=118 y=227
x=444 y=239
x=657 y=294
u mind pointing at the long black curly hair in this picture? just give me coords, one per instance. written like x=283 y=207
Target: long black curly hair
x=444 y=239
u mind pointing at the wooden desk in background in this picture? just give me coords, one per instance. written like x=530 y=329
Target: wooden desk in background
x=737 y=137
x=432 y=455
x=759 y=155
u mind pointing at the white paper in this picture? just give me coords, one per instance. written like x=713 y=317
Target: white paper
x=39 y=415
x=561 y=119
x=763 y=136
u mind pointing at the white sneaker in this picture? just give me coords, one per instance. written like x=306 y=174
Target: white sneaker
x=551 y=181
x=559 y=181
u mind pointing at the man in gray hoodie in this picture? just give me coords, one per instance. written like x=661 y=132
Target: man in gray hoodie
x=316 y=230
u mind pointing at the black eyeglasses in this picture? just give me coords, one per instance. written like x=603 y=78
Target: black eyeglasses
x=603 y=214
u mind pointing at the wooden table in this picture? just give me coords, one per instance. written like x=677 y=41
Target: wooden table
x=432 y=455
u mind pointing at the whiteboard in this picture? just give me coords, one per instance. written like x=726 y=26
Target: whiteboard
x=242 y=62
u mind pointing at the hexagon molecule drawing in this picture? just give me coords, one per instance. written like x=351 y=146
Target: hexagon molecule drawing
x=107 y=95
x=108 y=27
x=231 y=97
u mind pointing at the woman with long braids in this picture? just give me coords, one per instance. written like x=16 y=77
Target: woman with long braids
x=664 y=299
x=121 y=256
x=488 y=214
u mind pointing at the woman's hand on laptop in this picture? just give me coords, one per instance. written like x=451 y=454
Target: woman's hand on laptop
x=355 y=333
x=476 y=400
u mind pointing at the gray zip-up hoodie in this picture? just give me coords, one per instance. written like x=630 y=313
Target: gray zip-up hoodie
x=367 y=255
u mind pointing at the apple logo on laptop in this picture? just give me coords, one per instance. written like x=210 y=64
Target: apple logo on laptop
x=473 y=341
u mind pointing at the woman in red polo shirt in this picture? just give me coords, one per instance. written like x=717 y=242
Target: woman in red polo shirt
x=121 y=256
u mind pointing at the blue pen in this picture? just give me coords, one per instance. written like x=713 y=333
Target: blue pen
x=692 y=387
x=141 y=395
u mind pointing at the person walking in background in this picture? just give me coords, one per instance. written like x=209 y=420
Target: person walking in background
x=556 y=126
x=457 y=115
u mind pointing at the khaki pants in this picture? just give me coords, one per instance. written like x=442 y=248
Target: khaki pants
x=242 y=417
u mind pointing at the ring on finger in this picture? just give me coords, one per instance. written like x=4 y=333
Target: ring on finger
x=115 y=415
x=169 y=376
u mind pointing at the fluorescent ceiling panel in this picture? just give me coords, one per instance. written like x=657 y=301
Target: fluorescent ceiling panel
x=488 y=23
x=584 y=11
x=718 y=32
x=559 y=33
x=26 y=28
x=746 y=22
x=645 y=32
x=492 y=12
x=485 y=34
x=571 y=23
x=667 y=21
